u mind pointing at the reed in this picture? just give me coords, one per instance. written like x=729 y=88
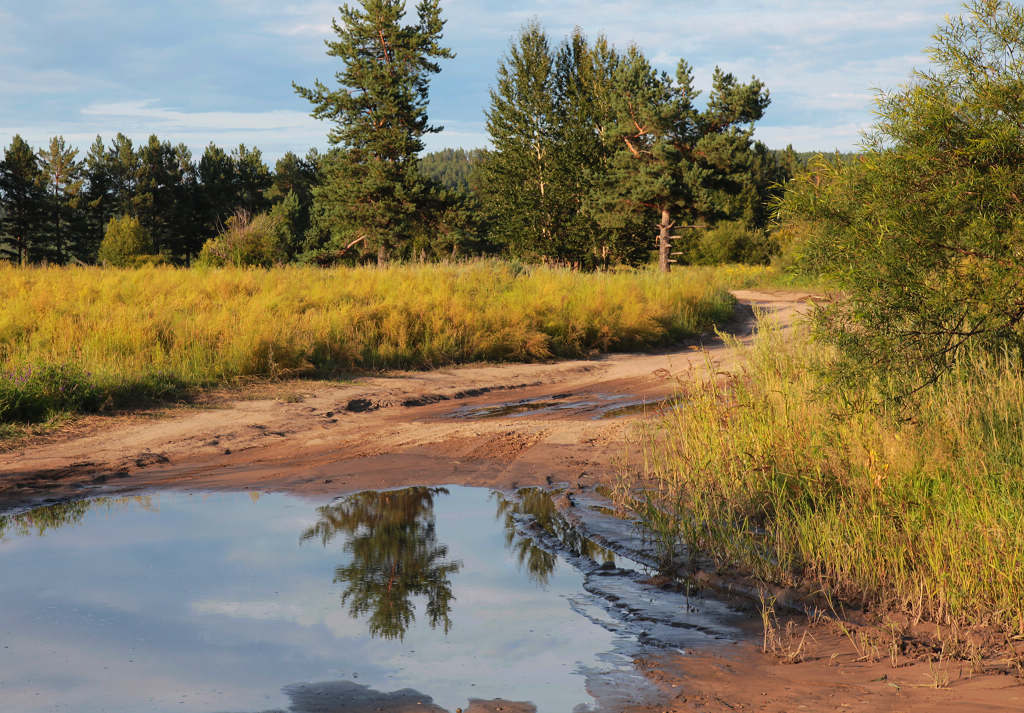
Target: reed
x=773 y=472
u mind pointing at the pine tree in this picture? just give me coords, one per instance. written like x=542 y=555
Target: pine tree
x=217 y=196
x=372 y=188
x=682 y=165
x=122 y=168
x=96 y=200
x=156 y=193
x=62 y=176
x=22 y=203
x=252 y=179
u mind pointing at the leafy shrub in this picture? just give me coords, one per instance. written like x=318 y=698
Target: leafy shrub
x=734 y=242
x=37 y=393
x=263 y=240
x=124 y=242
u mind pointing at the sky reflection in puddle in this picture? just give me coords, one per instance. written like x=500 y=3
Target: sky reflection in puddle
x=232 y=602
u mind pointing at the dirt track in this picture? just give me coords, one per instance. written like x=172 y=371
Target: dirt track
x=496 y=425
x=564 y=422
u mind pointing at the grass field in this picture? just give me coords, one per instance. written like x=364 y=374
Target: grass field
x=81 y=339
x=773 y=474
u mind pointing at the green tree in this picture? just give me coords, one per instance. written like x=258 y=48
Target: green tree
x=22 y=203
x=518 y=176
x=62 y=176
x=395 y=556
x=161 y=195
x=216 y=198
x=124 y=241
x=672 y=161
x=122 y=169
x=372 y=189
x=295 y=176
x=925 y=232
x=96 y=202
x=252 y=179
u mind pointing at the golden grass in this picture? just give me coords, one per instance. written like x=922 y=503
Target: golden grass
x=770 y=472
x=154 y=331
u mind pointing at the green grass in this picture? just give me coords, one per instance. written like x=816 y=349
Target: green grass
x=78 y=339
x=773 y=475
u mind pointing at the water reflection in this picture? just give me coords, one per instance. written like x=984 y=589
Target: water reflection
x=537 y=508
x=395 y=557
x=51 y=517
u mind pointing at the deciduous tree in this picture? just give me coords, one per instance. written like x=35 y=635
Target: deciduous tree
x=925 y=233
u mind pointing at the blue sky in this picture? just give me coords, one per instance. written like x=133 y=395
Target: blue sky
x=196 y=71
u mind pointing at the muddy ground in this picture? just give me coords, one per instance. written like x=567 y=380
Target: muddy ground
x=501 y=426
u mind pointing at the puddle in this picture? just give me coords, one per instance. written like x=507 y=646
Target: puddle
x=422 y=599
x=597 y=406
x=640 y=406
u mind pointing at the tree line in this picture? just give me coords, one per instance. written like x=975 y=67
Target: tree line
x=597 y=158
x=55 y=207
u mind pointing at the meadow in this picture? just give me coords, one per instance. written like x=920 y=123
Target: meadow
x=79 y=339
x=778 y=474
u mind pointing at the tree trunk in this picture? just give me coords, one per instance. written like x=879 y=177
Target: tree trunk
x=664 y=245
x=382 y=256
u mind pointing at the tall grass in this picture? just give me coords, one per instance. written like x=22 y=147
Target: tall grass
x=774 y=475
x=114 y=335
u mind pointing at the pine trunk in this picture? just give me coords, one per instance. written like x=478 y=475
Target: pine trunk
x=382 y=256
x=664 y=245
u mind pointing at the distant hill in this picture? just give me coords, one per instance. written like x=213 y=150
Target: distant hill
x=451 y=167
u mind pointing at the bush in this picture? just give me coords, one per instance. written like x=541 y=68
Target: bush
x=37 y=393
x=263 y=240
x=125 y=241
x=733 y=242
x=925 y=233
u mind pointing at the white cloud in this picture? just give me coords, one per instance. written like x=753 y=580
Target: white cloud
x=844 y=137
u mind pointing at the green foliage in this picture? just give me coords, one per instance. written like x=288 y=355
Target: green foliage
x=925 y=232
x=733 y=241
x=592 y=146
x=451 y=168
x=254 y=241
x=22 y=203
x=372 y=189
x=673 y=163
x=124 y=241
x=62 y=177
x=36 y=393
x=769 y=473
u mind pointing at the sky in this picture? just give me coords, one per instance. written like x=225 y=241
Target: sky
x=196 y=71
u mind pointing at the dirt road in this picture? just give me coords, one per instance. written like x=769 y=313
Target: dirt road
x=494 y=425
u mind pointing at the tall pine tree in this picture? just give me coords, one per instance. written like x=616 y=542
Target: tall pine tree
x=22 y=204
x=373 y=191
x=62 y=176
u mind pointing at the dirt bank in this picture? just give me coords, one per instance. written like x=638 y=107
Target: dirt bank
x=501 y=426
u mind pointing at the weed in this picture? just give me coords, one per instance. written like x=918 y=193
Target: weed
x=771 y=472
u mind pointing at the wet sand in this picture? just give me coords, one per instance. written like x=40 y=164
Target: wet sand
x=500 y=426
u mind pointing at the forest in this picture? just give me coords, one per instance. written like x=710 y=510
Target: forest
x=568 y=180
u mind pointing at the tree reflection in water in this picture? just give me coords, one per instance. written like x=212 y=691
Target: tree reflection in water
x=38 y=521
x=395 y=557
x=537 y=507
